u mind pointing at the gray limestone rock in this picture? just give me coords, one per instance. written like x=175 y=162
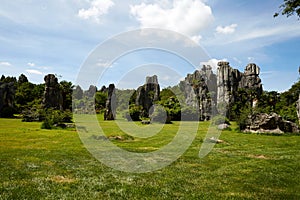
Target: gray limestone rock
x=227 y=83
x=90 y=93
x=269 y=123
x=148 y=94
x=200 y=91
x=210 y=93
x=110 y=107
x=250 y=79
x=230 y=80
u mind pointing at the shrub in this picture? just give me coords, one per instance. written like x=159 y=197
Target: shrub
x=33 y=114
x=56 y=118
x=67 y=116
x=242 y=120
x=47 y=124
x=134 y=113
x=7 y=112
x=219 y=119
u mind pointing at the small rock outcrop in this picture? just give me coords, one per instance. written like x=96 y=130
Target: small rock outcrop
x=148 y=94
x=110 y=107
x=52 y=96
x=223 y=126
x=7 y=96
x=269 y=123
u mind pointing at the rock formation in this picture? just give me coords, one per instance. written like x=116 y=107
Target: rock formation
x=199 y=89
x=206 y=91
x=7 y=95
x=52 y=95
x=230 y=80
x=273 y=123
x=250 y=79
x=148 y=94
x=103 y=89
x=90 y=93
x=227 y=83
x=110 y=107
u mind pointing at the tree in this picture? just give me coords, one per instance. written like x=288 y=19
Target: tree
x=24 y=95
x=22 y=79
x=100 y=100
x=289 y=8
x=67 y=90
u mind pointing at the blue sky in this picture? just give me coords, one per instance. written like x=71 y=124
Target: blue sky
x=41 y=37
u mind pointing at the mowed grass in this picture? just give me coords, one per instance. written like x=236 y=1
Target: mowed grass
x=53 y=164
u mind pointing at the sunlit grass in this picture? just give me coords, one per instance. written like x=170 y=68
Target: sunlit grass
x=53 y=164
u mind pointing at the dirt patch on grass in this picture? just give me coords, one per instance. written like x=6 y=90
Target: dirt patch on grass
x=48 y=163
x=259 y=157
x=62 y=179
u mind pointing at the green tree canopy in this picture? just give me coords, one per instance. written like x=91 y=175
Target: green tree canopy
x=289 y=8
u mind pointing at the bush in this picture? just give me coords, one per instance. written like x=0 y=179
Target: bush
x=242 y=120
x=66 y=116
x=47 y=124
x=134 y=113
x=289 y=113
x=219 y=119
x=56 y=118
x=7 y=112
x=33 y=114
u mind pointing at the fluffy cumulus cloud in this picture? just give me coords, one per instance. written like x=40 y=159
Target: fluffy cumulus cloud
x=5 y=64
x=97 y=9
x=226 y=29
x=213 y=63
x=33 y=71
x=188 y=17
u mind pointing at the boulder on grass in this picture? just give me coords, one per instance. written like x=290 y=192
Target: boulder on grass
x=269 y=123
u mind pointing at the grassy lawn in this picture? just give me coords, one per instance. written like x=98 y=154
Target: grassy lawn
x=53 y=164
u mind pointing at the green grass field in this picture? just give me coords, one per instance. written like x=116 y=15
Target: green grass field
x=53 y=164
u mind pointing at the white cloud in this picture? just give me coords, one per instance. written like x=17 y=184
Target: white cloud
x=226 y=29
x=104 y=64
x=278 y=32
x=30 y=64
x=188 y=17
x=6 y=64
x=196 y=38
x=97 y=9
x=213 y=63
x=33 y=71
